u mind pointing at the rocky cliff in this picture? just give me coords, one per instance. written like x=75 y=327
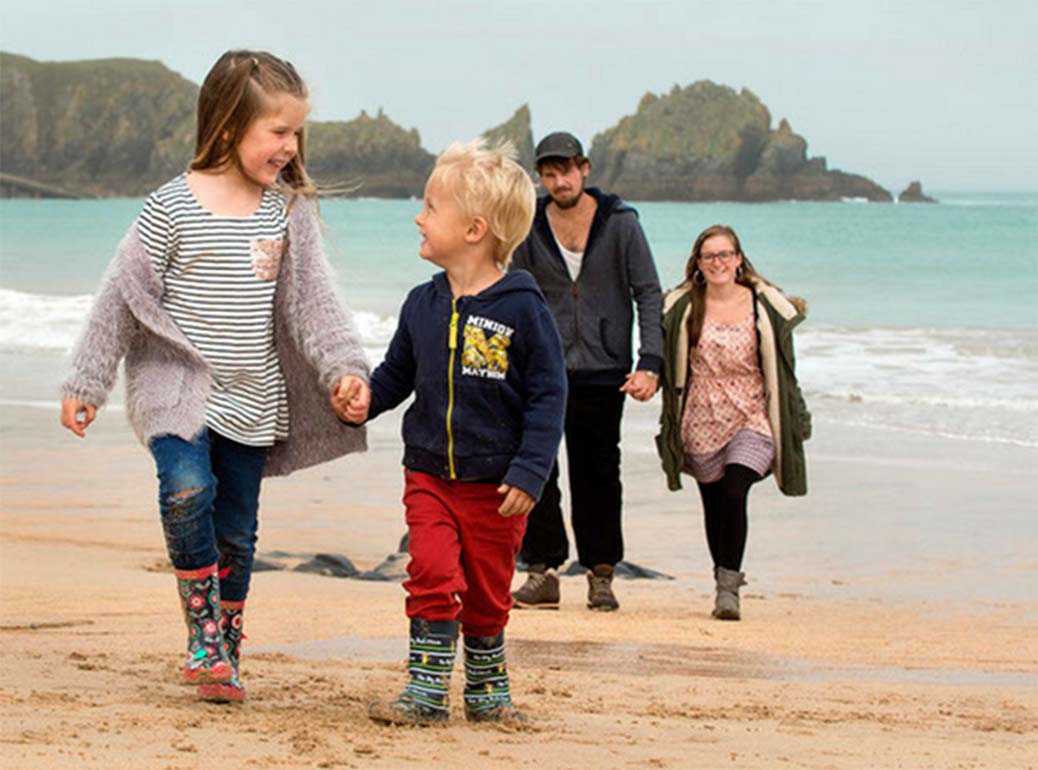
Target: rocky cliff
x=103 y=127
x=367 y=156
x=517 y=131
x=124 y=126
x=708 y=142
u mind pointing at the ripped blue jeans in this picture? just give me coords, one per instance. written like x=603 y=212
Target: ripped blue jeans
x=209 y=501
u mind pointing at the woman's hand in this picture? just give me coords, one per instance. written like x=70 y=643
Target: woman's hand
x=76 y=416
x=640 y=385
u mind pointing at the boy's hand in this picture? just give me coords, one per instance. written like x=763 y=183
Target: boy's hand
x=76 y=416
x=351 y=399
x=640 y=385
x=517 y=502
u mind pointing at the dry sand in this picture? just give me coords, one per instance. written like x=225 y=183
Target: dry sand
x=851 y=654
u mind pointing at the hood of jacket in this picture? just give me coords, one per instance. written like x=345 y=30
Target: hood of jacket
x=517 y=281
x=609 y=205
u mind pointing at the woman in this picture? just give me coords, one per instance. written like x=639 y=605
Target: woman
x=732 y=409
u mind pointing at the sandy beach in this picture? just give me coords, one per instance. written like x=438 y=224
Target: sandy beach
x=890 y=620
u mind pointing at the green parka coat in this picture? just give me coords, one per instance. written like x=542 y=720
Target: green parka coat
x=776 y=317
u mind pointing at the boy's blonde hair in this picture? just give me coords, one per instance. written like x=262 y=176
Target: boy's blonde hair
x=488 y=182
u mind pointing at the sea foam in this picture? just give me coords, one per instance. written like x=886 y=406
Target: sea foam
x=968 y=383
x=54 y=322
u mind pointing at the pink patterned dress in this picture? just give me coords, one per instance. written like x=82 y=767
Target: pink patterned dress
x=725 y=420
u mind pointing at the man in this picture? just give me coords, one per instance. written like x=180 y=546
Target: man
x=590 y=258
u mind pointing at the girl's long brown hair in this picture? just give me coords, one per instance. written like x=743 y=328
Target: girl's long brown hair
x=234 y=94
x=694 y=277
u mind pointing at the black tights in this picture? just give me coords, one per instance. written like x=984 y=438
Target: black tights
x=724 y=511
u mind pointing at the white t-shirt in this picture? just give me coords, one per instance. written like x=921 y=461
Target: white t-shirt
x=573 y=259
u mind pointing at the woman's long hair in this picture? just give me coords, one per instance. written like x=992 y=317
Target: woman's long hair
x=234 y=94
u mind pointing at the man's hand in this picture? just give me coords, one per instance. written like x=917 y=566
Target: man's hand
x=517 y=502
x=640 y=385
x=76 y=416
x=351 y=399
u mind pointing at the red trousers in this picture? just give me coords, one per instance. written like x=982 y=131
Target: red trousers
x=462 y=553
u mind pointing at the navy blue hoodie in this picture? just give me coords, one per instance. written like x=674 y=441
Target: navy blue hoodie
x=489 y=381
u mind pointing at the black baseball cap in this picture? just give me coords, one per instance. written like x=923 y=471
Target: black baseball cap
x=559 y=144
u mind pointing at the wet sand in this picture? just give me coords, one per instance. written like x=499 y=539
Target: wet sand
x=890 y=621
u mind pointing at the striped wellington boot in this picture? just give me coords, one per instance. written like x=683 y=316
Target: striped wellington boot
x=200 y=599
x=231 y=626
x=424 y=698
x=488 y=697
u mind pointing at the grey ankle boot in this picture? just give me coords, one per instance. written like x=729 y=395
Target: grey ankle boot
x=726 y=606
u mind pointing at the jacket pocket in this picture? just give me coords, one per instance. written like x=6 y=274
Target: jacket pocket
x=603 y=335
x=153 y=382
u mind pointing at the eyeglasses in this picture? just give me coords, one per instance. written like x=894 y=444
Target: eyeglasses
x=721 y=256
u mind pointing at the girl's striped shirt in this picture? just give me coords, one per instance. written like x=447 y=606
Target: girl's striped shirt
x=219 y=274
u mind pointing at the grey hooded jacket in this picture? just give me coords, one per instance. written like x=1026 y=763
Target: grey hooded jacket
x=168 y=380
x=594 y=313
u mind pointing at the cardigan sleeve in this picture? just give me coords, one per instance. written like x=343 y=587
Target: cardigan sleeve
x=321 y=324
x=104 y=341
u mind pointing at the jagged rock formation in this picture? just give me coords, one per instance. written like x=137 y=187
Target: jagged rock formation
x=516 y=130
x=708 y=142
x=367 y=156
x=125 y=126
x=914 y=194
x=89 y=128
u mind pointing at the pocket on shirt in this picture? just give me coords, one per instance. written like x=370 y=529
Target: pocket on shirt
x=266 y=258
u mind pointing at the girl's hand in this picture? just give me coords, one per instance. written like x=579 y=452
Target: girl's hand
x=76 y=416
x=517 y=502
x=351 y=399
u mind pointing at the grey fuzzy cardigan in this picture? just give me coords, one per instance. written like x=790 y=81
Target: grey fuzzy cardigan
x=168 y=381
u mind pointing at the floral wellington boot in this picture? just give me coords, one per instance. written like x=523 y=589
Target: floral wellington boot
x=200 y=599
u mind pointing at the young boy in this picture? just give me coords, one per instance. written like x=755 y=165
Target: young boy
x=480 y=350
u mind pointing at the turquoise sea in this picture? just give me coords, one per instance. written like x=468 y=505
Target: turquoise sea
x=922 y=317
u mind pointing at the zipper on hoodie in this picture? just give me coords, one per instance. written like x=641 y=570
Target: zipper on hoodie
x=452 y=345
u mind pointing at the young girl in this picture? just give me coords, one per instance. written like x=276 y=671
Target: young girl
x=732 y=409
x=222 y=303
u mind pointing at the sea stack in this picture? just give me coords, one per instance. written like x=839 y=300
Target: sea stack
x=914 y=194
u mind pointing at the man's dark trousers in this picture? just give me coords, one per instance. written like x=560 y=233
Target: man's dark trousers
x=593 y=414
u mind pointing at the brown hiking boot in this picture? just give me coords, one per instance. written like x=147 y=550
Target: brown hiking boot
x=600 y=589
x=540 y=591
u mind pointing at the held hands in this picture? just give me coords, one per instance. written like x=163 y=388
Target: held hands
x=517 y=502
x=351 y=399
x=76 y=416
x=640 y=385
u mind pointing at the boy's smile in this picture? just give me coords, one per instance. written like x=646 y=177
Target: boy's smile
x=441 y=224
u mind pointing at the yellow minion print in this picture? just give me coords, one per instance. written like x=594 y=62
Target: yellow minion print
x=483 y=357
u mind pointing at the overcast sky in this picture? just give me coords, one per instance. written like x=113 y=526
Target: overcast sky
x=938 y=91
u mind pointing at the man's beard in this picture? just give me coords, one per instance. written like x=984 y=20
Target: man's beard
x=568 y=203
